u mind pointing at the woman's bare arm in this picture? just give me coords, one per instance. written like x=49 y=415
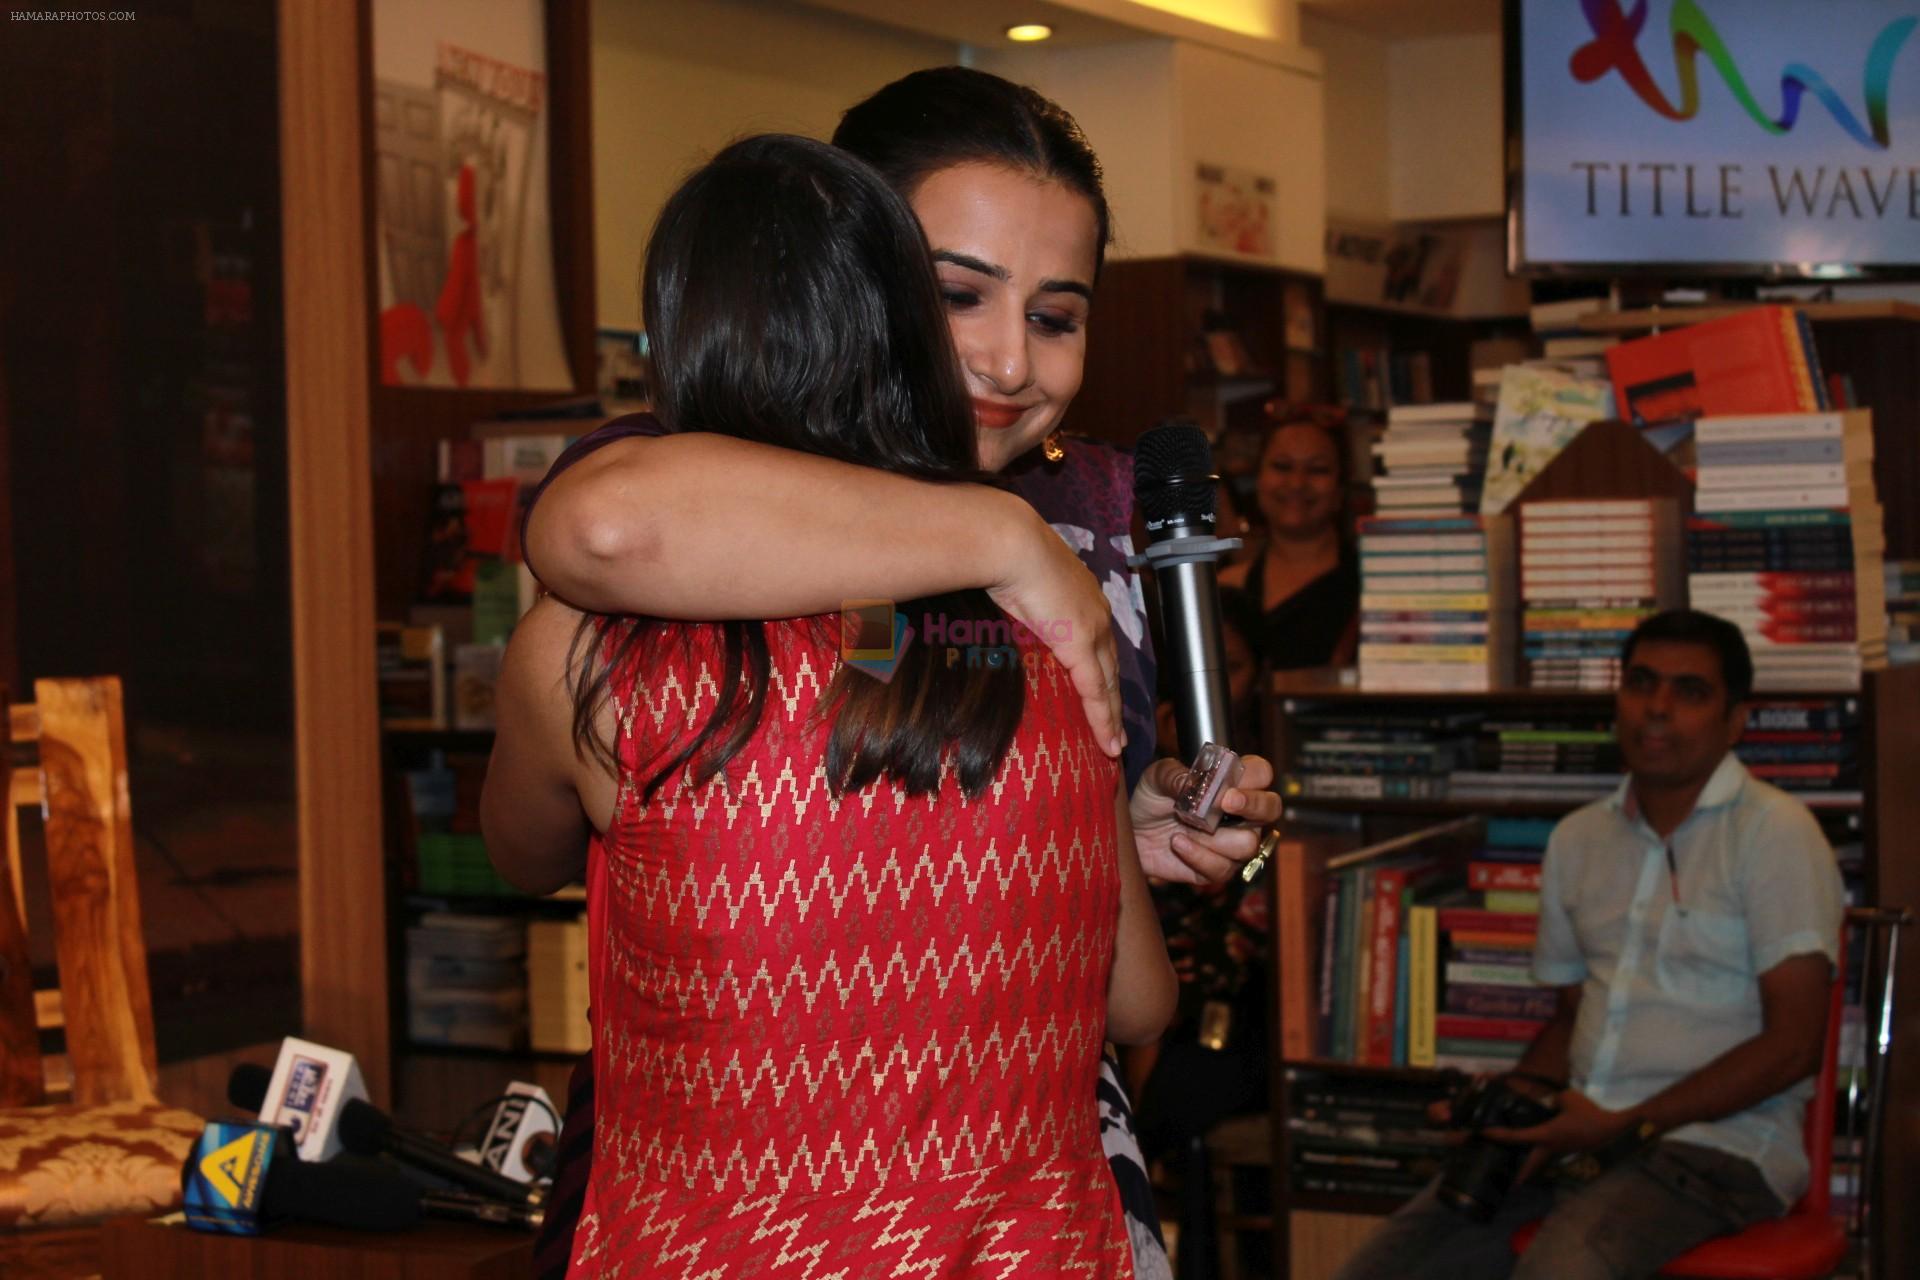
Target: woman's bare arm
x=699 y=527
x=541 y=798
x=1142 y=990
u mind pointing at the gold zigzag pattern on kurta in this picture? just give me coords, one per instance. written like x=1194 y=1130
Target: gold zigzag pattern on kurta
x=661 y=1068
x=1056 y=953
x=686 y=704
x=840 y=1166
x=792 y=1243
x=663 y=890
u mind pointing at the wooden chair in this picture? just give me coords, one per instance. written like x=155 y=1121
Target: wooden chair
x=82 y=1136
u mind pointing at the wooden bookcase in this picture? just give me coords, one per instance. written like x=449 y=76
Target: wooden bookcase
x=1147 y=352
x=1327 y=1227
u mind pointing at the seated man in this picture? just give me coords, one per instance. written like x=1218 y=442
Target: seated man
x=1690 y=922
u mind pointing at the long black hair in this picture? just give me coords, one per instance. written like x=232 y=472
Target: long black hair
x=934 y=119
x=790 y=300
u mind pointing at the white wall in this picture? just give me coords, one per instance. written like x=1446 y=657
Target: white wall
x=1250 y=115
x=1154 y=108
x=1358 y=132
x=1120 y=95
x=1445 y=122
x=674 y=81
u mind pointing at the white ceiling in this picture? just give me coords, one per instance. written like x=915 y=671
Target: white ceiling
x=1411 y=19
x=983 y=23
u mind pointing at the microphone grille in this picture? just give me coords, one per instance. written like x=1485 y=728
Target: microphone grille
x=247 y=1086
x=363 y=1128
x=1173 y=476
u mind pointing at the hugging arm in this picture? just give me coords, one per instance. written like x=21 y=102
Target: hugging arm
x=697 y=527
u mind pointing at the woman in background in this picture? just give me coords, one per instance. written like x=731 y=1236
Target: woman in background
x=859 y=941
x=1305 y=578
x=703 y=525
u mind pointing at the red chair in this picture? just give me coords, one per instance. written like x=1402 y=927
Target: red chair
x=1809 y=1242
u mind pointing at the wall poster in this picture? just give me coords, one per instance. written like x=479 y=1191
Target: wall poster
x=465 y=239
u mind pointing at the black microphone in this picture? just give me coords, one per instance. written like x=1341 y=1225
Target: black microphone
x=365 y=1130
x=1176 y=488
x=241 y=1178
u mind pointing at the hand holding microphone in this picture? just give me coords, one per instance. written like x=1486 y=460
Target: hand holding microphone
x=1176 y=488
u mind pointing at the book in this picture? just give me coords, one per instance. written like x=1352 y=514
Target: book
x=412 y=665
x=1423 y=980
x=1300 y=893
x=1541 y=409
x=1755 y=361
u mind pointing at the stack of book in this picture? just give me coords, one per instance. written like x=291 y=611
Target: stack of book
x=1787 y=543
x=1361 y=1135
x=1436 y=603
x=1433 y=456
x=1903 y=611
x=1562 y=756
x=557 y=986
x=1470 y=987
x=1363 y=755
x=1590 y=570
x=1557 y=326
x=467 y=981
x=1806 y=746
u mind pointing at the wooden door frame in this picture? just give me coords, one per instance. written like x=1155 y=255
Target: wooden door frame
x=343 y=947
x=334 y=406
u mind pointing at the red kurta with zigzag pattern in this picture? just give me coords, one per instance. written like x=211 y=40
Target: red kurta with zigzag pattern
x=854 y=1038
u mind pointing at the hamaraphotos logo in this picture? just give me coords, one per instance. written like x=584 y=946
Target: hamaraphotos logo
x=873 y=636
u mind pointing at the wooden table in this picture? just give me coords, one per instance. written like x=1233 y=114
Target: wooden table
x=154 y=1249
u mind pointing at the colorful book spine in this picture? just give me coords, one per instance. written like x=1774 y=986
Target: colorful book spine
x=1423 y=983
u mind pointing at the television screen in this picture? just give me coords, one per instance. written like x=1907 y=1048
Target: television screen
x=1758 y=137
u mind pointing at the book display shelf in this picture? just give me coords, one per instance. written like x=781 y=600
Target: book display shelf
x=1206 y=338
x=1329 y=1186
x=1393 y=963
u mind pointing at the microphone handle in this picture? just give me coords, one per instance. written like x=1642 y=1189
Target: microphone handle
x=1196 y=657
x=462 y=1207
x=423 y=1153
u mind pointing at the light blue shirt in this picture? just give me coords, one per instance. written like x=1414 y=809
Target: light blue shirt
x=1665 y=989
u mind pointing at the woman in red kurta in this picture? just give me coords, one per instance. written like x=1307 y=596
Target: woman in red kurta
x=859 y=934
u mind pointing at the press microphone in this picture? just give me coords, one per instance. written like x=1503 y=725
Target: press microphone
x=309 y=1085
x=522 y=1138
x=240 y=1179
x=1176 y=489
x=365 y=1130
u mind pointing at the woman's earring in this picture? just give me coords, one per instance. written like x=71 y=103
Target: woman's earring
x=1052 y=449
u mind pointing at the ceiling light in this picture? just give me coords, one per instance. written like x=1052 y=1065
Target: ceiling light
x=1028 y=32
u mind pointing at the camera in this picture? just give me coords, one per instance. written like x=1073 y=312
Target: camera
x=1480 y=1172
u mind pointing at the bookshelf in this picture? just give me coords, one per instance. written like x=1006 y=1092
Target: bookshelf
x=1444 y=343
x=1149 y=354
x=1318 y=1229
x=455 y=880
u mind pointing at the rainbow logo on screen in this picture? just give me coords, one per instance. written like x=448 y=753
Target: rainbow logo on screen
x=1614 y=47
